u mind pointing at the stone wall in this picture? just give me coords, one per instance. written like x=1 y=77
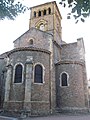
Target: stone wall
x=40 y=39
x=47 y=17
x=53 y=27
x=73 y=51
x=38 y=98
x=2 y=80
x=73 y=63
x=57 y=55
x=73 y=95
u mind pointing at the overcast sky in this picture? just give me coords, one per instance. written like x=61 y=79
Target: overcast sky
x=10 y=30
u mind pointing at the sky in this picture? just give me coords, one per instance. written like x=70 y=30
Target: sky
x=10 y=30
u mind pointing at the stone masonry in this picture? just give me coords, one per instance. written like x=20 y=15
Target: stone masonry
x=43 y=74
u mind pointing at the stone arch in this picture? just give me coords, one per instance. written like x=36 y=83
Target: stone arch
x=43 y=23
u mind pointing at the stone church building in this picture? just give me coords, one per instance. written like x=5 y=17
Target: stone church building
x=43 y=74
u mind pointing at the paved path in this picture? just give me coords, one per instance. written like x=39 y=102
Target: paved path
x=54 y=117
x=61 y=117
x=7 y=118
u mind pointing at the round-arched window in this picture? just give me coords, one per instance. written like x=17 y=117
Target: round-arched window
x=41 y=27
x=44 y=12
x=49 y=10
x=64 y=79
x=18 y=74
x=31 y=42
x=39 y=13
x=38 y=74
x=34 y=14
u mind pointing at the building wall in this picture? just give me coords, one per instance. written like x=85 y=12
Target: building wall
x=57 y=53
x=70 y=52
x=73 y=63
x=73 y=51
x=39 y=99
x=73 y=95
x=57 y=26
x=2 y=80
x=47 y=17
x=47 y=50
x=40 y=39
x=53 y=27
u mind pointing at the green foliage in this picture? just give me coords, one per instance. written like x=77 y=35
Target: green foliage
x=10 y=9
x=80 y=9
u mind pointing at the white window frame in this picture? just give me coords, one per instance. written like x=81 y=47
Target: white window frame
x=22 y=72
x=38 y=63
x=61 y=79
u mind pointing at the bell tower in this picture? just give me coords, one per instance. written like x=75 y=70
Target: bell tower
x=46 y=17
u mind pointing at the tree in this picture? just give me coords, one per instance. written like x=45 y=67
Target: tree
x=80 y=9
x=10 y=9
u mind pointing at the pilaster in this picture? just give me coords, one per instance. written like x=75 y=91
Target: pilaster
x=28 y=80
x=8 y=82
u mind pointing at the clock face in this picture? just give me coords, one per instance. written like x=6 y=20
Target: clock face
x=42 y=27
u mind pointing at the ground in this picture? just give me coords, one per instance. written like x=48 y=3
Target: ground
x=53 y=117
x=61 y=117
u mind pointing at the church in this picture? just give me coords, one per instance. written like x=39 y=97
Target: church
x=44 y=74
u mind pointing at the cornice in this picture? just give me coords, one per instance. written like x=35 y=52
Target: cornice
x=71 y=62
x=28 y=49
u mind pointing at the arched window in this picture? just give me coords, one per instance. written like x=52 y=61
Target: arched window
x=39 y=13
x=31 y=42
x=44 y=12
x=49 y=10
x=34 y=14
x=38 y=74
x=64 y=79
x=41 y=27
x=18 y=74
